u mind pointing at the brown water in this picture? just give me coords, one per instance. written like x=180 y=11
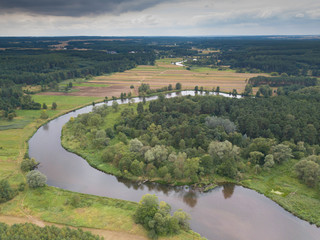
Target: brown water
x=228 y=212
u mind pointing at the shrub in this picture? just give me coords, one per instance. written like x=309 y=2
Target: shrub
x=36 y=179
x=6 y=192
x=156 y=217
x=28 y=164
x=44 y=114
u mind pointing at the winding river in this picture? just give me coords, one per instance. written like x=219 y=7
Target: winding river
x=228 y=212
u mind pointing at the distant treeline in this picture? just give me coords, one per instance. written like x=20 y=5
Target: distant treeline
x=282 y=81
x=291 y=55
x=294 y=57
x=43 y=66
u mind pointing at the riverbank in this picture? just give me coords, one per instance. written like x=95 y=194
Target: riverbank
x=52 y=205
x=279 y=183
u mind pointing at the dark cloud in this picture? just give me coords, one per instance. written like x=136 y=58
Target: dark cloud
x=75 y=8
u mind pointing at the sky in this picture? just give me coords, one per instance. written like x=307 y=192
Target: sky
x=159 y=17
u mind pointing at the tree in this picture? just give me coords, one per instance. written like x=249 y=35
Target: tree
x=44 y=114
x=136 y=168
x=140 y=108
x=36 y=179
x=265 y=90
x=28 y=164
x=178 y=86
x=147 y=208
x=234 y=92
x=256 y=157
x=281 y=153
x=156 y=217
x=44 y=106
x=213 y=122
x=54 y=106
x=183 y=219
x=6 y=192
x=115 y=106
x=135 y=145
x=100 y=139
x=247 y=90
x=224 y=156
x=206 y=162
x=268 y=161
x=308 y=171
x=157 y=155
x=110 y=133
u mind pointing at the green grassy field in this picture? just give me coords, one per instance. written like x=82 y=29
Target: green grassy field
x=281 y=185
x=54 y=205
x=64 y=102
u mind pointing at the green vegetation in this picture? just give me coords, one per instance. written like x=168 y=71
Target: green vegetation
x=30 y=231
x=36 y=179
x=196 y=140
x=6 y=192
x=156 y=218
x=28 y=164
x=280 y=183
x=283 y=80
x=47 y=68
x=261 y=55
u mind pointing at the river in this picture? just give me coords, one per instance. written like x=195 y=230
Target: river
x=227 y=212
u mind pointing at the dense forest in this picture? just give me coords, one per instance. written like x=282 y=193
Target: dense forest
x=43 y=66
x=189 y=138
x=297 y=57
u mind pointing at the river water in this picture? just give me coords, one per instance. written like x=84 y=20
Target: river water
x=227 y=212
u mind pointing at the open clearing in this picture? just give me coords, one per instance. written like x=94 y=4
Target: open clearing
x=161 y=74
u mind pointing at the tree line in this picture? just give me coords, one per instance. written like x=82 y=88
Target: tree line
x=44 y=66
x=282 y=81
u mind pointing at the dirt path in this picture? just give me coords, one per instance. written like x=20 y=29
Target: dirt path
x=107 y=234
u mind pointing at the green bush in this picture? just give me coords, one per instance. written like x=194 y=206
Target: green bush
x=156 y=217
x=6 y=192
x=28 y=164
x=36 y=179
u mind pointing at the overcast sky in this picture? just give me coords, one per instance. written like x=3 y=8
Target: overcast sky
x=159 y=17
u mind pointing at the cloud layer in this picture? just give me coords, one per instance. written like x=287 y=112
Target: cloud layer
x=158 y=17
x=75 y=8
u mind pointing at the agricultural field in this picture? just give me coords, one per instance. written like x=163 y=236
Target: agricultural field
x=161 y=74
x=165 y=73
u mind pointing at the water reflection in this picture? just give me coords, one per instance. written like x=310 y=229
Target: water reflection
x=190 y=198
x=46 y=126
x=228 y=189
